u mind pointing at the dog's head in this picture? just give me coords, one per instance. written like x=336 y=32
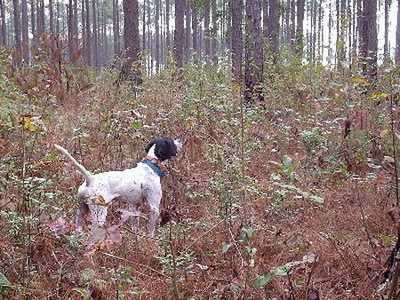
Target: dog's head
x=163 y=148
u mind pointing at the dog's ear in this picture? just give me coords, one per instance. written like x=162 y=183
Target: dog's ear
x=165 y=149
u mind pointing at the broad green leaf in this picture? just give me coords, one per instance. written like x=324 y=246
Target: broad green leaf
x=317 y=199
x=225 y=247
x=4 y=282
x=263 y=280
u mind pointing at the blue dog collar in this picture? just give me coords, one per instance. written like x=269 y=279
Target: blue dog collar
x=154 y=167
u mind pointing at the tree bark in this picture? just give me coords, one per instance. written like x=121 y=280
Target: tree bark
x=195 y=33
x=87 y=39
x=397 y=54
x=131 y=70
x=237 y=39
x=25 y=33
x=157 y=34
x=168 y=38
x=265 y=20
x=253 y=53
x=143 y=28
x=3 y=32
x=386 y=53
x=273 y=28
x=58 y=17
x=95 y=34
x=187 y=32
x=207 y=44
x=292 y=28
x=330 y=24
x=179 y=33
x=214 y=32
x=369 y=39
x=17 y=33
x=51 y=17
x=299 y=29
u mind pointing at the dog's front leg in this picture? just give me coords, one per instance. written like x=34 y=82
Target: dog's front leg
x=154 y=199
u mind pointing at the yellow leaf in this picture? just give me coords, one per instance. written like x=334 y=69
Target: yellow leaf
x=359 y=80
x=29 y=125
x=384 y=133
x=379 y=96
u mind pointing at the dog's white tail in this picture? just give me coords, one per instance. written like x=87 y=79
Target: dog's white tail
x=81 y=168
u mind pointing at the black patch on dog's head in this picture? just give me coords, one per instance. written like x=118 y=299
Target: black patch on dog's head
x=165 y=148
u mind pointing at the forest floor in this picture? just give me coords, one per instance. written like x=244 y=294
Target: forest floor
x=274 y=200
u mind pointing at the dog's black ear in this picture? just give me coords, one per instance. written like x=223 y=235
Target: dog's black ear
x=165 y=148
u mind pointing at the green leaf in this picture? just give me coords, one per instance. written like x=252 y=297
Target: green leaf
x=246 y=234
x=136 y=124
x=263 y=280
x=317 y=199
x=4 y=282
x=225 y=247
x=85 y=294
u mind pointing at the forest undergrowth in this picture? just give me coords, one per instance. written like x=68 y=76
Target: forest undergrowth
x=275 y=200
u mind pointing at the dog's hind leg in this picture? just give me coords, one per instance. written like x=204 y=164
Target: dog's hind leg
x=80 y=216
x=98 y=214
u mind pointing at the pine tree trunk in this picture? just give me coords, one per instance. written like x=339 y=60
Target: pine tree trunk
x=349 y=32
x=292 y=23
x=314 y=34
x=369 y=39
x=265 y=20
x=195 y=33
x=95 y=34
x=70 y=29
x=273 y=28
x=3 y=32
x=330 y=24
x=51 y=17
x=83 y=16
x=58 y=17
x=149 y=41
x=143 y=28
x=179 y=33
x=372 y=39
x=287 y=22
x=87 y=41
x=168 y=38
x=187 y=32
x=253 y=52
x=41 y=19
x=214 y=32
x=130 y=68
x=397 y=54
x=25 y=33
x=386 y=53
x=320 y=34
x=207 y=43
x=237 y=39
x=355 y=30
x=299 y=29
x=157 y=34
x=17 y=33
x=228 y=31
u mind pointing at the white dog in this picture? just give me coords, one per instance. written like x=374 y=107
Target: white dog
x=132 y=185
